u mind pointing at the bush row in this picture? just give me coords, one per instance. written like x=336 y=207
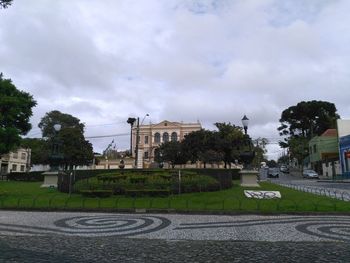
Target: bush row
x=26 y=176
x=141 y=185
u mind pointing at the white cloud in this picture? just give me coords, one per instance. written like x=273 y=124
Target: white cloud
x=104 y=61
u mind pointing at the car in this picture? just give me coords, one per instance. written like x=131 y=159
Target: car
x=284 y=169
x=273 y=173
x=310 y=174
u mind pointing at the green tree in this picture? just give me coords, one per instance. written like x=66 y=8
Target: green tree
x=271 y=163
x=308 y=118
x=75 y=149
x=260 y=150
x=5 y=3
x=15 y=111
x=283 y=159
x=172 y=152
x=211 y=156
x=301 y=122
x=56 y=117
x=230 y=141
x=198 y=142
x=40 y=150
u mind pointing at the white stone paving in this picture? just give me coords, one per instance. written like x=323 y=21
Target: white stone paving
x=179 y=227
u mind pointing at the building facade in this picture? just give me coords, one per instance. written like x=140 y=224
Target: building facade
x=344 y=146
x=324 y=153
x=16 y=161
x=152 y=135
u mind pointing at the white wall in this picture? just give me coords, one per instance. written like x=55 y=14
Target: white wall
x=343 y=127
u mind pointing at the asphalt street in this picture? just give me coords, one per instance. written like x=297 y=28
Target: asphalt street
x=106 y=237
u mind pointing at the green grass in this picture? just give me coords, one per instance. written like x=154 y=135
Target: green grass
x=29 y=195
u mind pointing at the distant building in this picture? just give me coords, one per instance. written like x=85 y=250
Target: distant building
x=152 y=135
x=16 y=161
x=344 y=145
x=324 y=153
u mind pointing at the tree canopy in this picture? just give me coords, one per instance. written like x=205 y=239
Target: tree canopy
x=206 y=146
x=299 y=123
x=40 y=151
x=308 y=118
x=74 y=148
x=5 y=3
x=15 y=111
x=56 y=117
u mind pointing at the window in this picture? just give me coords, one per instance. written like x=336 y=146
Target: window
x=310 y=150
x=165 y=137
x=22 y=168
x=157 y=137
x=315 y=148
x=23 y=156
x=15 y=155
x=174 y=137
x=146 y=139
x=14 y=167
x=146 y=155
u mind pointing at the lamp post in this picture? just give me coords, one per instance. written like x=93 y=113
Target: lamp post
x=248 y=176
x=138 y=138
x=245 y=122
x=55 y=153
x=51 y=178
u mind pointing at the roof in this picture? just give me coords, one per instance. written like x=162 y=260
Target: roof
x=330 y=133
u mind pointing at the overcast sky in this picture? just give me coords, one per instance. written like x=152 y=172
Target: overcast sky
x=180 y=60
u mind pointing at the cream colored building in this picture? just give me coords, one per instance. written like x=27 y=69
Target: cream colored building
x=152 y=135
x=16 y=161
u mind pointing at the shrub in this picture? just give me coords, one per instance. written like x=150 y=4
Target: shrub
x=96 y=193
x=147 y=192
x=26 y=176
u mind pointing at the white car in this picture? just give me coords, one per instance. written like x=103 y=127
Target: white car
x=310 y=174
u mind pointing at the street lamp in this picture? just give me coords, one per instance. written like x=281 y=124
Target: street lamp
x=137 y=138
x=248 y=176
x=245 y=122
x=55 y=153
x=248 y=154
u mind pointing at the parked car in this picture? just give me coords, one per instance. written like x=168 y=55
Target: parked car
x=273 y=173
x=284 y=169
x=310 y=174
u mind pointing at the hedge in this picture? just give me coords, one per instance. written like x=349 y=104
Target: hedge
x=26 y=176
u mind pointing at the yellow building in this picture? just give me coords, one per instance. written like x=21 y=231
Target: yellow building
x=152 y=135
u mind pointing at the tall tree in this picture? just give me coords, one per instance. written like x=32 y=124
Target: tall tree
x=299 y=123
x=172 y=152
x=5 y=3
x=40 y=150
x=198 y=142
x=56 y=117
x=308 y=118
x=230 y=141
x=15 y=111
x=74 y=148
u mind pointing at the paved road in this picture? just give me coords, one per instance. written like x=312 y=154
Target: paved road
x=91 y=237
x=337 y=190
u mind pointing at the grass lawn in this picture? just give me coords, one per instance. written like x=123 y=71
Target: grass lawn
x=29 y=195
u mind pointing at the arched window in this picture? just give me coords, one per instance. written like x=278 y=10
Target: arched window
x=174 y=137
x=165 y=137
x=157 y=137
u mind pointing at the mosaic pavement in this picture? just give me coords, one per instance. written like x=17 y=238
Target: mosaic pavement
x=178 y=227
